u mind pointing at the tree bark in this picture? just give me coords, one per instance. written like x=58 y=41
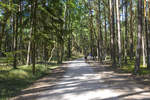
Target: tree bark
x=131 y=31
x=15 y=40
x=126 y=31
x=139 y=38
x=112 y=31
x=33 y=35
x=100 y=38
x=106 y=33
x=21 y=45
x=148 y=36
x=143 y=37
x=30 y=35
x=69 y=37
x=119 y=34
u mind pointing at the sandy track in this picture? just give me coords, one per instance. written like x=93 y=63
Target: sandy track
x=84 y=82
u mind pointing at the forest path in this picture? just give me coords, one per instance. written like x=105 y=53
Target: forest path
x=84 y=82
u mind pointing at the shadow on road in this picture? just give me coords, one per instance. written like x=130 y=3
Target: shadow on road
x=104 y=82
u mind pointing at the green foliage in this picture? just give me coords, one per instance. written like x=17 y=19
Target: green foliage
x=9 y=57
x=130 y=68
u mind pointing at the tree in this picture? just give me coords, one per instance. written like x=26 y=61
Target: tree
x=112 y=31
x=119 y=35
x=46 y=30
x=126 y=30
x=131 y=31
x=148 y=35
x=139 y=41
x=99 y=31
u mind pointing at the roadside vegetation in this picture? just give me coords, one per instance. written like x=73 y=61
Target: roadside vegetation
x=35 y=34
x=12 y=81
x=129 y=68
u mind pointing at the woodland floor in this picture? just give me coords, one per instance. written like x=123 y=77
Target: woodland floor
x=79 y=80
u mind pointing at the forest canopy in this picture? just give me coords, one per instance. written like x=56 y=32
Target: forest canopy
x=33 y=31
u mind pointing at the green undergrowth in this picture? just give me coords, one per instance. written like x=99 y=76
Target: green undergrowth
x=12 y=81
x=76 y=56
x=73 y=57
x=130 y=68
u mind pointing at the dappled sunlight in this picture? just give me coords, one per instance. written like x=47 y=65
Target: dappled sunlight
x=90 y=95
x=81 y=82
x=49 y=49
x=81 y=60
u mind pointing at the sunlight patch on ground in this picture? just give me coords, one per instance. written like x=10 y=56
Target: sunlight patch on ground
x=137 y=89
x=81 y=82
x=101 y=94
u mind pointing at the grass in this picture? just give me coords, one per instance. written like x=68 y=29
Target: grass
x=3 y=59
x=12 y=81
x=130 y=68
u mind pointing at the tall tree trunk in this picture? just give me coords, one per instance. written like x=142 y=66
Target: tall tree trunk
x=112 y=30
x=69 y=37
x=123 y=40
x=146 y=33
x=126 y=31
x=30 y=35
x=131 y=31
x=69 y=46
x=21 y=32
x=119 y=35
x=91 y=35
x=143 y=37
x=143 y=50
x=100 y=38
x=33 y=35
x=1 y=35
x=148 y=36
x=29 y=49
x=139 y=38
x=106 y=36
x=3 y=26
x=62 y=42
x=91 y=28
x=15 y=40
x=110 y=23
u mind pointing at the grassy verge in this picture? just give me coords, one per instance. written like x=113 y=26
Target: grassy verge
x=12 y=81
x=130 y=68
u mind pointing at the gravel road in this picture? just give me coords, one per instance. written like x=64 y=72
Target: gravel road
x=84 y=82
